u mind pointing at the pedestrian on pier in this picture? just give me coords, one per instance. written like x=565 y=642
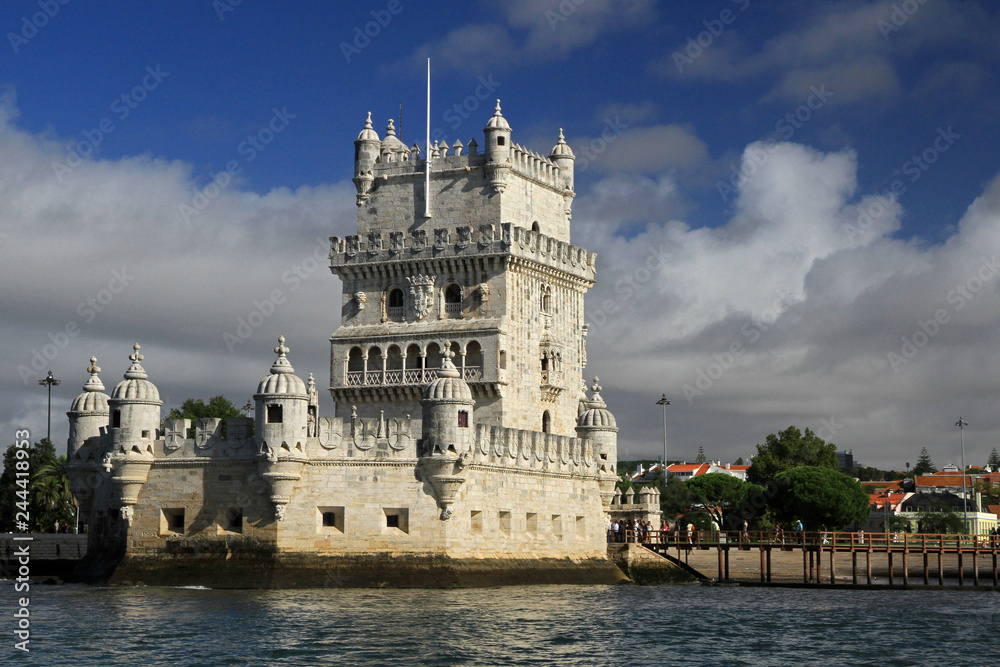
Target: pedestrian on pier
x=745 y=536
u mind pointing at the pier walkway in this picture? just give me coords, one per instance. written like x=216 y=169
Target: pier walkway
x=832 y=558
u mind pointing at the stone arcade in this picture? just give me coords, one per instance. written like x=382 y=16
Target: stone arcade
x=464 y=449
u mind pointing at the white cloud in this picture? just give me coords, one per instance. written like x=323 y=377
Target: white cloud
x=106 y=252
x=532 y=30
x=815 y=313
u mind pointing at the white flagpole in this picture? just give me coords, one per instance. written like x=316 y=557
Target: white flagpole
x=427 y=148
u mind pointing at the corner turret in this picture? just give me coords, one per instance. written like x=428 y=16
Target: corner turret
x=448 y=433
x=562 y=156
x=135 y=404
x=88 y=413
x=366 y=152
x=597 y=425
x=497 y=150
x=282 y=402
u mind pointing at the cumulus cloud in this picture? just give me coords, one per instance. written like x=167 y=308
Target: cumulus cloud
x=101 y=256
x=787 y=315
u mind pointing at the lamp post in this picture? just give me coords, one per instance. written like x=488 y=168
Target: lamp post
x=50 y=381
x=664 y=401
x=961 y=424
x=888 y=494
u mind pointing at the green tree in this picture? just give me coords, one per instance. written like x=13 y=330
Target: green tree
x=940 y=519
x=724 y=497
x=994 y=461
x=674 y=498
x=739 y=461
x=924 y=465
x=819 y=496
x=47 y=488
x=701 y=455
x=788 y=449
x=195 y=408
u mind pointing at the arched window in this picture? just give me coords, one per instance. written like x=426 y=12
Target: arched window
x=453 y=300
x=394 y=304
x=546 y=300
x=534 y=226
x=546 y=422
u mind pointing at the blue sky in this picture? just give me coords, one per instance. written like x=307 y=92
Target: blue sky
x=861 y=98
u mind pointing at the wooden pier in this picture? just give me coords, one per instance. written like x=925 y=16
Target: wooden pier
x=898 y=555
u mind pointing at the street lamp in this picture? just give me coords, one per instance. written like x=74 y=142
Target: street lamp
x=961 y=424
x=664 y=401
x=50 y=381
x=888 y=494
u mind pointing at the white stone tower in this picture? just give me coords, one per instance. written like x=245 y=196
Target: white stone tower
x=490 y=276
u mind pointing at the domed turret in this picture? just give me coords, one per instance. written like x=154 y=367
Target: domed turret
x=497 y=150
x=392 y=148
x=562 y=156
x=597 y=426
x=366 y=150
x=447 y=410
x=88 y=413
x=135 y=403
x=282 y=404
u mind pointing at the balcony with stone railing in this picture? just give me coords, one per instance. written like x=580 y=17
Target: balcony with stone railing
x=406 y=376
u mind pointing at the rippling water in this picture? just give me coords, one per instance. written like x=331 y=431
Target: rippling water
x=563 y=625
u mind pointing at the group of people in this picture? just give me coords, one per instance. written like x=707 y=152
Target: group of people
x=618 y=531
x=622 y=530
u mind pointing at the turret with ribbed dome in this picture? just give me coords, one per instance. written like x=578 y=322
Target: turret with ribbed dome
x=497 y=150
x=447 y=410
x=366 y=151
x=135 y=403
x=89 y=411
x=282 y=404
x=597 y=425
x=562 y=156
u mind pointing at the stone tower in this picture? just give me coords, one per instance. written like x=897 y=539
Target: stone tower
x=488 y=279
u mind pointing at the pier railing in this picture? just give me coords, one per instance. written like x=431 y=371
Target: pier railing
x=813 y=544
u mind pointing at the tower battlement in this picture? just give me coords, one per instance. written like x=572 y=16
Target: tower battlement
x=505 y=182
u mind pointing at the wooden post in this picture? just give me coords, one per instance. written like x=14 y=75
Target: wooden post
x=888 y=555
x=906 y=566
x=727 y=563
x=961 y=569
x=940 y=567
x=833 y=570
x=769 y=565
x=996 y=581
x=805 y=567
x=868 y=562
x=718 y=550
x=854 y=566
x=763 y=567
x=927 y=573
x=975 y=565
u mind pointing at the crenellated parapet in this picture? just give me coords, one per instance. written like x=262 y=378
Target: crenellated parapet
x=523 y=450
x=353 y=257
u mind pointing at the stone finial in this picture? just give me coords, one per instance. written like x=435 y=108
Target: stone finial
x=281 y=364
x=596 y=387
x=368 y=133
x=390 y=130
x=93 y=382
x=135 y=371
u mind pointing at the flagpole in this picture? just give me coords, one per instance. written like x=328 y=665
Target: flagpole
x=427 y=148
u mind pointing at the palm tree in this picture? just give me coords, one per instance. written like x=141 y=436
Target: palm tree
x=51 y=495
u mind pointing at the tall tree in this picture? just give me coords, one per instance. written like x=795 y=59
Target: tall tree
x=819 y=496
x=924 y=465
x=701 y=455
x=994 y=461
x=788 y=449
x=724 y=497
x=46 y=487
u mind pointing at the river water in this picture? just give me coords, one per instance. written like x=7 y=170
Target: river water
x=79 y=626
